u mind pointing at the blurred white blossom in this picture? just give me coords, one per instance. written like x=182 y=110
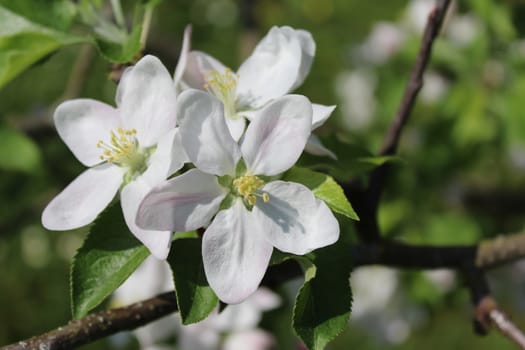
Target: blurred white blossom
x=356 y=91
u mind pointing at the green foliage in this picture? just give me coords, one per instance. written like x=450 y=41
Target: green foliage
x=352 y=159
x=55 y=14
x=23 y=42
x=18 y=152
x=195 y=298
x=325 y=188
x=108 y=256
x=113 y=40
x=121 y=51
x=323 y=305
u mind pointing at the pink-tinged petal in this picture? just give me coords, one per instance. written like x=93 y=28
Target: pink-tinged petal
x=294 y=220
x=315 y=147
x=81 y=123
x=158 y=242
x=83 y=199
x=169 y=156
x=204 y=133
x=198 y=65
x=271 y=70
x=236 y=127
x=183 y=203
x=276 y=137
x=183 y=57
x=307 y=49
x=235 y=254
x=320 y=114
x=147 y=100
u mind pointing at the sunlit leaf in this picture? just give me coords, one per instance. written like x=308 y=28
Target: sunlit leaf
x=325 y=188
x=22 y=43
x=324 y=302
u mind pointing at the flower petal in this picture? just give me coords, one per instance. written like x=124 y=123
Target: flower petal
x=320 y=114
x=315 y=147
x=235 y=254
x=83 y=199
x=198 y=64
x=204 y=133
x=169 y=156
x=276 y=137
x=183 y=203
x=294 y=220
x=183 y=58
x=307 y=49
x=81 y=123
x=236 y=127
x=158 y=242
x=146 y=97
x=271 y=70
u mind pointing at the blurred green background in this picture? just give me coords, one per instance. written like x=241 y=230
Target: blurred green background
x=460 y=178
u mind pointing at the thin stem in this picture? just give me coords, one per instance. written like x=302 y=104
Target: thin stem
x=146 y=24
x=117 y=12
x=369 y=201
x=101 y=324
x=507 y=327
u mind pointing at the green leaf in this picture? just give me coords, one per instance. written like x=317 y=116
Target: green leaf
x=325 y=188
x=23 y=43
x=352 y=160
x=18 y=152
x=121 y=52
x=195 y=298
x=55 y=14
x=323 y=304
x=108 y=256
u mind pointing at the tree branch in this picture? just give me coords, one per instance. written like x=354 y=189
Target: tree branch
x=488 y=254
x=368 y=201
x=488 y=314
x=101 y=324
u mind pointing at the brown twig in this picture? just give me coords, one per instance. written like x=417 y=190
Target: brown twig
x=101 y=324
x=368 y=202
x=488 y=314
x=435 y=19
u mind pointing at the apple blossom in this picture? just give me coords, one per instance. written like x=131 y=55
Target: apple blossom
x=255 y=213
x=279 y=63
x=132 y=148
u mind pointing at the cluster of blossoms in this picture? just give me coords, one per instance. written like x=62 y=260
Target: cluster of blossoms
x=236 y=132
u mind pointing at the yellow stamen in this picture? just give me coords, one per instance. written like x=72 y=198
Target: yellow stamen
x=121 y=147
x=223 y=86
x=248 y=186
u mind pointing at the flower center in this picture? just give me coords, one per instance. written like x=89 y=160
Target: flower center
x=248 y=186
x=223 y=86
x=123 y=150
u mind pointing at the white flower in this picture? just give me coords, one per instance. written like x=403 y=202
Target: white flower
x=132 y=147
x=279 y=63
x=263 y=214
